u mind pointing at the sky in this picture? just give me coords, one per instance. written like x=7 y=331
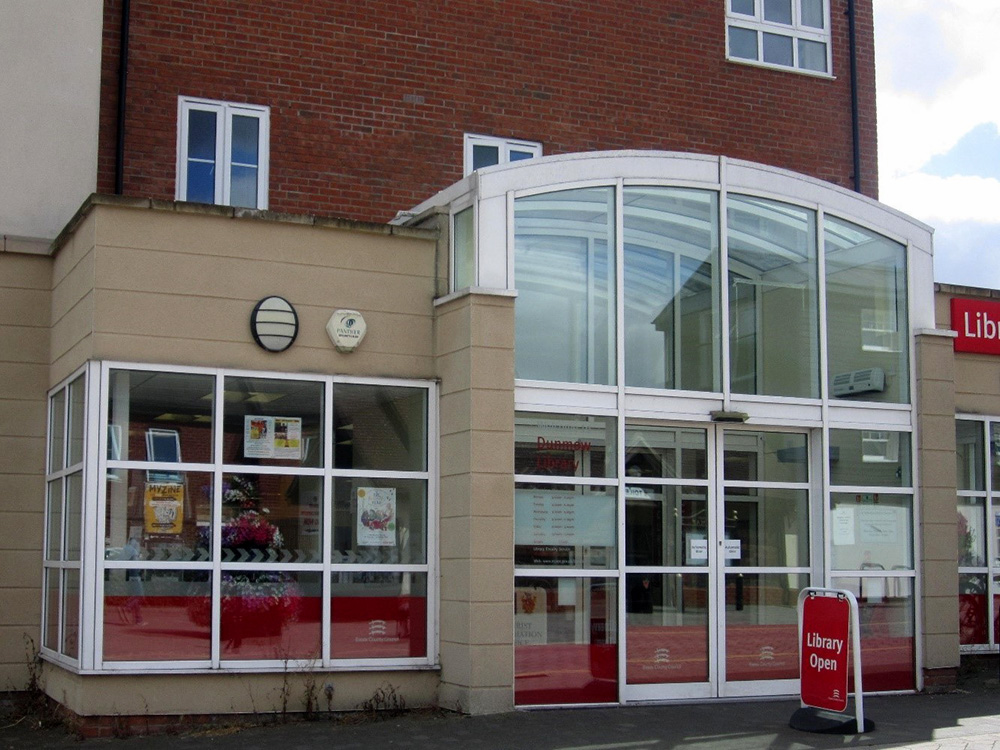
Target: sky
x=938 y=78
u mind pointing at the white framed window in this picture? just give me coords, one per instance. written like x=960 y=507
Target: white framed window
x=977 y=443
x=487 y=150
x=791 y=34
x=64 y=513
x=222 y=153
x=270 y=517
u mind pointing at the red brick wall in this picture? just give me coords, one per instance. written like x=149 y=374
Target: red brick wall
x=369 y=100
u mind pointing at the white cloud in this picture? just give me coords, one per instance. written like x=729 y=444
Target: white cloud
x=937 y=70
x=967 y=253
x=944 y=199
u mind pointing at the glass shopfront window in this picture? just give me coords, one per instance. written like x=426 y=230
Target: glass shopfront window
x=667 y=613
x=565 y=547
x=565 y=445
x=670 y=253
x=866 y=309
x=978 y=532
x=773 y=298
x=62 y=545
x=877 y=458
x=871 y=543
x=565 y=321
x=272 y=422
x=149 y=519
x=379 y=428
x=564 y=526
x=378 y=615
x=214 y=497
x=152 y=615
x=565 y=640
x=671 y=240
x=886 y=611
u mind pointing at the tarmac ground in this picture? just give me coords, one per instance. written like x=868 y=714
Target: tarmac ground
x=967 y=718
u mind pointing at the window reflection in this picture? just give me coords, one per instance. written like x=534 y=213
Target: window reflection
x=157 y=615
x=878 y=458
x=762 y=626
x=565 y=321
x=871 y=531
x=564 y=445
x=773 y=298
x=867 y=322
x=667 y=628
x=969 y=455
x=565 y=640
x=886 y=611
x=752 y=456
x=665 y=452
x=666 y=526
x=671 y=257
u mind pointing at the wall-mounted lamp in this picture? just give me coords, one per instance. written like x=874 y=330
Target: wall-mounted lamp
x=274 y=324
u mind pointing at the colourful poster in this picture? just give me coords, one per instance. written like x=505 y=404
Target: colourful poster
x=530 y=616
x=163 y=508
x=272 y=437
x=377 y=516
x=288 y=437
x=258 y=437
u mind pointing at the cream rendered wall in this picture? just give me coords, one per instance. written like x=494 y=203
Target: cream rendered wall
x=24 y=354
x=935 y=400
x=72 y=315
x=50 y=55
x=176 y=284
x=155 y=282
x=475 y=347
x=119 y=695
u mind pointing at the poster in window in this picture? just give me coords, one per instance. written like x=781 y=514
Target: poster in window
x=258 y=437
x=163 y=508
x=377 y=516
x=272 y=437
x=531 y=627
x=288 y=437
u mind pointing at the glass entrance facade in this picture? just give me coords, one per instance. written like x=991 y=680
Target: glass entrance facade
x=713 y=384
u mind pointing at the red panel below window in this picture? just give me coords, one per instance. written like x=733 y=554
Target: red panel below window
x=565 y=673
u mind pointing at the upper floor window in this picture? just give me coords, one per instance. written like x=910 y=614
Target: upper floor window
x=784 y=33
x=222 y=153
x=486 y=150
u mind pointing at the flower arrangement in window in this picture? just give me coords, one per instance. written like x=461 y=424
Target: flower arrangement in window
x=245 y=528
x=254 y=602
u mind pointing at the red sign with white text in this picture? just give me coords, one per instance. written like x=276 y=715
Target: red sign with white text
x=977 y=323
x=826 y=628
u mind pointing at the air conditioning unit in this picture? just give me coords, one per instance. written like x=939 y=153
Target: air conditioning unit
x=859 y=381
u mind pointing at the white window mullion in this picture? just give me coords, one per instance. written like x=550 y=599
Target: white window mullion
x=217 y=455
x=326 y=587
x=223 y=127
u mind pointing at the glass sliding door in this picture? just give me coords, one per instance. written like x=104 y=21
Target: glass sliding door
x=765 y=556
x=717 y=548
x=667 y=625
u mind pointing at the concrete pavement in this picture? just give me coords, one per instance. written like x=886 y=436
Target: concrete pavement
x=967 y=719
